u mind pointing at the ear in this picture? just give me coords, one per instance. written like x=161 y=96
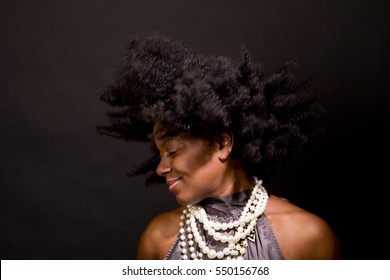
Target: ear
x=225 y=142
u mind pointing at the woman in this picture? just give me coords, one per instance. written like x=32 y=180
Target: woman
x=218 y=127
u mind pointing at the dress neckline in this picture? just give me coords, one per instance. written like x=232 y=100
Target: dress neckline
x=226 y=205
x=238 y=199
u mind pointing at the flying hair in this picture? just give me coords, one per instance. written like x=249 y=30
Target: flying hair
x=160 y=80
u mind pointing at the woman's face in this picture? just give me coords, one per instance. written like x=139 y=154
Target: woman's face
x=192 y=167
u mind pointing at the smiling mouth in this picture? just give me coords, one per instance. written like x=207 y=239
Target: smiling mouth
x=172 y=184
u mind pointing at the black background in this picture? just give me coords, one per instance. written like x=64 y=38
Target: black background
x=64 y=192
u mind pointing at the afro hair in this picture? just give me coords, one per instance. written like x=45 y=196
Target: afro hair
x=161 y=80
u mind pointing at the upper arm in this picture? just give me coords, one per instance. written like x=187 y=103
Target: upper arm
x=322 y=240
x=147 y=244
x=159 y=236
x=301 y=234
x=314 y=239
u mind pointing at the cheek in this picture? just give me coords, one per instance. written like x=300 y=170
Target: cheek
x=199 y=161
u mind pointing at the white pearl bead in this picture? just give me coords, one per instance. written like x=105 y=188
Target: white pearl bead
x=226 y=251
x=245 y=224
x=220 y=254
x=212 y=254
x=205 y=250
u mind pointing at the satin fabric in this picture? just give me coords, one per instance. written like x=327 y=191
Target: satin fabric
x=226 y=209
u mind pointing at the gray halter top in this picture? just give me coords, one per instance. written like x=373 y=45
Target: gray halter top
x=226 y=209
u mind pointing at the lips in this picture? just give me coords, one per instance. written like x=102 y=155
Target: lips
x=172 y=184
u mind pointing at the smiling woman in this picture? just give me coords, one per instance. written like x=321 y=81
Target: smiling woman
x=219 y=127
x=195 y=168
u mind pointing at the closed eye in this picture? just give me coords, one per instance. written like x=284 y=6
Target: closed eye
x=173 y=153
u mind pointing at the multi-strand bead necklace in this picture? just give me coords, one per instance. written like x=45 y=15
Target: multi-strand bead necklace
x=194 y=216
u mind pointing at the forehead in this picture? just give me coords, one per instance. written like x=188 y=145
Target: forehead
x=162 y=136
x=163 y=133
x=159 y=132
x=158 y=129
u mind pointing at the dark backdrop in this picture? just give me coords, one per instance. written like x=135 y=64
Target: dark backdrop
x=64 y=192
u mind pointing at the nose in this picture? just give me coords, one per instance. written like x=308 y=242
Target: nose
x=163 y=168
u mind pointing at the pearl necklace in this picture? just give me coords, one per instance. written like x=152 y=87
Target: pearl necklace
x=194 y=216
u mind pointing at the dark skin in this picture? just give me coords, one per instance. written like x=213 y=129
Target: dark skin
x=191 y=164
x=300 y=234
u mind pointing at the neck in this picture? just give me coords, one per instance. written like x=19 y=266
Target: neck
x=235 y=179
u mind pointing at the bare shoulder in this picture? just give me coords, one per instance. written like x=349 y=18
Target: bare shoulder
x=301 y=234
x=159 y=235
